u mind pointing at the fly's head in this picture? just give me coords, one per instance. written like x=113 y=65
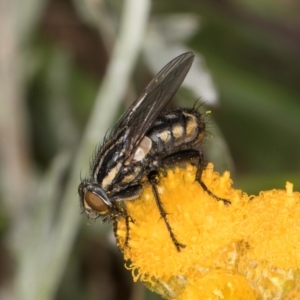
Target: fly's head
x=93 y=200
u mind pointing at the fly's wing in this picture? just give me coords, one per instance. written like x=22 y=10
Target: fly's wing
x=143 y=112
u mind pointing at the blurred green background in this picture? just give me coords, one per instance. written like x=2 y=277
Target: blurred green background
x=59 y=62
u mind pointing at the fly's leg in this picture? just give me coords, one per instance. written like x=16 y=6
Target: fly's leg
x=127 y=218
x=189 y=155
x=153 y=179
x=130 y=193
x=200 y=168
x=115 y=228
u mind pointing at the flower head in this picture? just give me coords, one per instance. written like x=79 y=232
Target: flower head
x=247 y=250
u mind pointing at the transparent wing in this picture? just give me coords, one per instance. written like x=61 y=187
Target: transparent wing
x=143 y=112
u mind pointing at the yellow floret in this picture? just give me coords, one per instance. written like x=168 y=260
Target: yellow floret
x=247 y=250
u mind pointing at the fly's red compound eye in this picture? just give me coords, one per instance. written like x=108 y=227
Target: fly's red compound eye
x=94 y=202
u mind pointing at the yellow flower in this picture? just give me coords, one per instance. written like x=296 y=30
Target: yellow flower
x=247 y=250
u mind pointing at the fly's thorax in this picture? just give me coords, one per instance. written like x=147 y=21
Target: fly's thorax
x=120 y=172
x=129 y=175
x=109 y=160
x=111 y=171
x=177 y=129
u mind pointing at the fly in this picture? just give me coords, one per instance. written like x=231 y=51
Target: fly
x=145 y=139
